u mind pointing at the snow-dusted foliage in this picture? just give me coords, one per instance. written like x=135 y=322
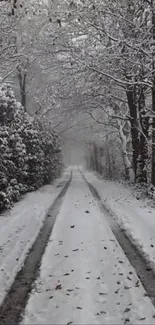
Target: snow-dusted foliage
x=30 y=154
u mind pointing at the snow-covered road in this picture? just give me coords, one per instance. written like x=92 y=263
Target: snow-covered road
x=85 y=277
x=19 y=228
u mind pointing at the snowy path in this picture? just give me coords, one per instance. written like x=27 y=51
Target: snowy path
x=85 y=277
x=136 y=217
x=20 y=227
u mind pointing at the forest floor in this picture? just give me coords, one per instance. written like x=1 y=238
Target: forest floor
x=89 y=264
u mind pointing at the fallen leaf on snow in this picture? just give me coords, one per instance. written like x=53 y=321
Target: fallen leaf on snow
x=137 y=284
x=76 y=249
x=79 y=307
x=66 y=274
x=128 y=278
x=127 y=310
x=117 y=291
x=127 y=320
x=58 y=287
x=69 y=290
x=72 y=226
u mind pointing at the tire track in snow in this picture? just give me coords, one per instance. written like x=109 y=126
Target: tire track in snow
x=15 y=301
x=143 y=270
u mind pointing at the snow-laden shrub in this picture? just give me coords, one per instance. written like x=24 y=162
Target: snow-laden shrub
x=30 y=154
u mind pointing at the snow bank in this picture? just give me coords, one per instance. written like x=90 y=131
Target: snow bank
x=19 y=228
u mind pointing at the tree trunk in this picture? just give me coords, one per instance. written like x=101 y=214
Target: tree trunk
x=95 y=151
x=153 y=99
x=141 y=176
x=22 y=85
x=127 y=164
x=131 y=97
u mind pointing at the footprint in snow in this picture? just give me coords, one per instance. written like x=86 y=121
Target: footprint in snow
x=87 y=211
x=72 y=226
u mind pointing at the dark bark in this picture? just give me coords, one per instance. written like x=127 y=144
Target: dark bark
x=95 y=152
x=131 y=97
x=22 y=83
x=141 y=176
x=153 y=102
